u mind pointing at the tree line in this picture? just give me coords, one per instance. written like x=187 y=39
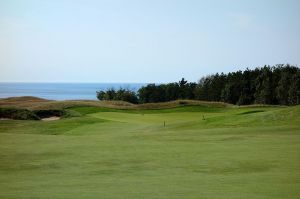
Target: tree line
x=278 y=84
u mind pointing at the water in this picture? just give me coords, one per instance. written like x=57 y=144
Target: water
x=61 y=91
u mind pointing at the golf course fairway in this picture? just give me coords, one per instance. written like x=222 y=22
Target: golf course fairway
x=188 y=152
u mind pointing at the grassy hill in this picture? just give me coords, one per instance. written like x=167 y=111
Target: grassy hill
x=34 y=103
x=119 y=150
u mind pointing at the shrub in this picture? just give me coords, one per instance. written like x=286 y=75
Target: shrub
x=17 y=114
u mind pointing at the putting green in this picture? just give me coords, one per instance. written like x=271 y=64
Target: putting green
x=208 y=153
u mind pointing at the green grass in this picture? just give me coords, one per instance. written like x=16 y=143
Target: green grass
x=234 y=153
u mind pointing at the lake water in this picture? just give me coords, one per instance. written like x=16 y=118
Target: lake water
x=61 y=91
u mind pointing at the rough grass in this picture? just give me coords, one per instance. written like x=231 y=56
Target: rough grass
x=234 y=152
x=25 y=114
x=17 y=114
x=33 y=103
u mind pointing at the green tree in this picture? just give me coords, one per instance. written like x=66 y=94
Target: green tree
x=294 y=91
x=282 y=90
x=264 y=92
x=100 y=95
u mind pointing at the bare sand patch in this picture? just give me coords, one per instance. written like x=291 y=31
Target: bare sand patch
x=3 y=118
x=51 y=118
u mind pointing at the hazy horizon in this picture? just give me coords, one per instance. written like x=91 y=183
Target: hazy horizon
x=143 y=41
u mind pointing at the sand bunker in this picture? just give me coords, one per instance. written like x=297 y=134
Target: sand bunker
x=51 y=118
x=3 y=118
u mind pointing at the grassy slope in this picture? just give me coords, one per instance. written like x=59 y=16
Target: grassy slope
x=250 y=152
x=34 y=103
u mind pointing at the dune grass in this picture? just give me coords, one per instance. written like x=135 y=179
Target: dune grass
x=209 y=152
x=34 y=103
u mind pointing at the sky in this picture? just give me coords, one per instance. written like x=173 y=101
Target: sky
x=148 y=41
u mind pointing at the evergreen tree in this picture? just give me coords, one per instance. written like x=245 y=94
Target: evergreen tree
x=279 y=84
x=264 y=93
x=294 y=91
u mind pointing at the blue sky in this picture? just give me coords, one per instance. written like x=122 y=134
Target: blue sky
x=143 y=41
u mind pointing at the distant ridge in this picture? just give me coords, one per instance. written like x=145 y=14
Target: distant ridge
x=35 y=103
